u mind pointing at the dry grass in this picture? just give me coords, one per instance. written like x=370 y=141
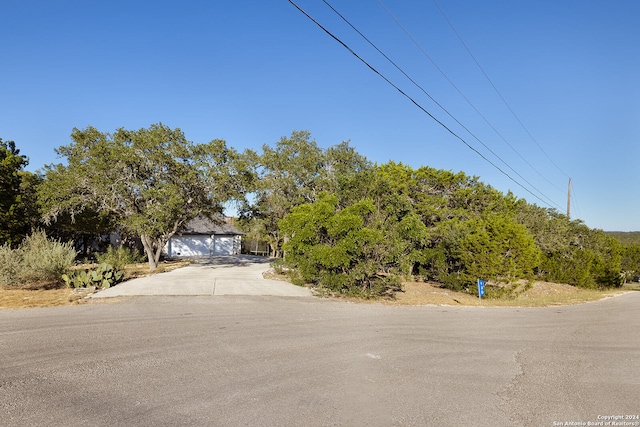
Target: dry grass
x=540 y=294
x=134 y=271
x=536 y=294
x=25 y=298
x=45 y=296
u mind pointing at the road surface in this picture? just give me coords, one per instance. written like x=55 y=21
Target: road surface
x=283 y=361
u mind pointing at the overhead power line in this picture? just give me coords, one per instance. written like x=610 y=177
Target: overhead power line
x=463 y=95
x=495 y=88
x=330 y=34
x=433 y=99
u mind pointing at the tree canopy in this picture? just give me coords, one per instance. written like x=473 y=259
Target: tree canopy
x=16 y=208
x=151 y=180
x=336 y=219
x=294 y=172
x=443 y=226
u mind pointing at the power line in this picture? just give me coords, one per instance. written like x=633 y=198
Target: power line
x=574 y=202
x=496 y=89
x=435 y=101
x=463 y=95
x=411 y=99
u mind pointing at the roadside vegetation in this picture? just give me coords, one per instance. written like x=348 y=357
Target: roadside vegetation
x=350 y=227
x=36 y=262
x=57 y=294
x=332 y=219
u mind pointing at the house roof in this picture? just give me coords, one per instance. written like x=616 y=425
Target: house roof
x=203 y=225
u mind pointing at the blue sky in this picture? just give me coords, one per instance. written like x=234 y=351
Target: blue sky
x=251 y=72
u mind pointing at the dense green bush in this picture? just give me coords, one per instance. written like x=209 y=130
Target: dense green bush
x=435 y=225
x=589 y=259
x=119 y=257
x=496 y=248
x=38 y=260
x=335 y=248
x=630 y=263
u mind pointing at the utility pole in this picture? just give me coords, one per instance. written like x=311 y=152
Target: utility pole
x=569 y=200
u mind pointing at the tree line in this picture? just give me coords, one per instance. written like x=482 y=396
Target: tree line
x=330 y=216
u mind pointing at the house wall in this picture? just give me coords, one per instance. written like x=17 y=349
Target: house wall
x=223 y=245
x=189 y=245
x=203 y=245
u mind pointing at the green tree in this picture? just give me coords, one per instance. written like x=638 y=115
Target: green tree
x=439 y=195
x=150 y=181
x=440 y=263
x=345 y=173
x=630 y=263
x=552 y=230
x=337 y=248
x=29 y=207
x=496 y=248
x=582 y=257
x=86 y=229
x=295 y=172
x=14 y=224
x=287 y=177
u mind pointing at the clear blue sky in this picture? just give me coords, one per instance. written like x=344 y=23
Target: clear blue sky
x=250 y=72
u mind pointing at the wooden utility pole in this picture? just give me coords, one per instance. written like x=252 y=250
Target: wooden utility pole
x=569 y=200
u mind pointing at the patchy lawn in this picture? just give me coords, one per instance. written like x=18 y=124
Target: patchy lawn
x=27 y=297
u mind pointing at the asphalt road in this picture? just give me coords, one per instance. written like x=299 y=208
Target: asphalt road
x=277 y=361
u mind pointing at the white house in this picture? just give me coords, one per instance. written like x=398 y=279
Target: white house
x=203 y=237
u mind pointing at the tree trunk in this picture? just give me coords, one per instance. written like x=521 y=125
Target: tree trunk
x=158 y=253
x=147 y=243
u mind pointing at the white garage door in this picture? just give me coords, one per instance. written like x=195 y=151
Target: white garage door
x=223 y=245
x=190 y=246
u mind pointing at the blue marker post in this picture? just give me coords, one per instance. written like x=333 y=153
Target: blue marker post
x=480 y=289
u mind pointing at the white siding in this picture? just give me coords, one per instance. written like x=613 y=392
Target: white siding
x=184 y=246
x=203 y=245
x=223 y=245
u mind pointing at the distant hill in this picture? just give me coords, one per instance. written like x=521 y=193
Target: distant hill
x=626 y=237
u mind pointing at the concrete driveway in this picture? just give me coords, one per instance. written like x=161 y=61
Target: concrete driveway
x=221 y=275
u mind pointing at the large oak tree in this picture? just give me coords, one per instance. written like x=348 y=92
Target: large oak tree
x=151 y=180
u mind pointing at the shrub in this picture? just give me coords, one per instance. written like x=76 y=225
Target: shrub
x=120 y=257
x=278 y=266
x=45 y=260
x=9 y=265
x=37 y=260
